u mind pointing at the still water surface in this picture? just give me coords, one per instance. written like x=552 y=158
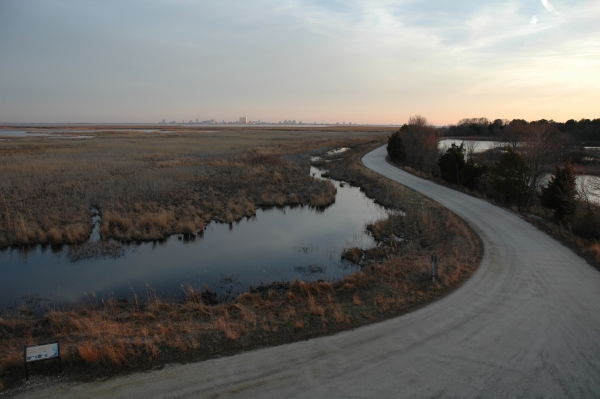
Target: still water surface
x=479 y=145
x=278 y=244
x=19 y=133
x=590 y=184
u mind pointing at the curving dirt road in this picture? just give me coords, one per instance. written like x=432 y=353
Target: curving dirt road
x=527 y=324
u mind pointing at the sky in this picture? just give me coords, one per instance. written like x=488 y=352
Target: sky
x=375 y=61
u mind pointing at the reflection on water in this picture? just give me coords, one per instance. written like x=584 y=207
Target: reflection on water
x=19 y=133
x=278 y=244
x=587 y=186
x=52 y=135
x=590 y=187
x=478 y=146
x=586 y=183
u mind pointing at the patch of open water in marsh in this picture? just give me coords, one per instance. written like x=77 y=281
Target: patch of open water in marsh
x=278 y=244
x=19 y=133
x=586 y=183
x=478 y=145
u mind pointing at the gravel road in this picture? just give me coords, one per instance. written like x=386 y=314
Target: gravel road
x=527 y=324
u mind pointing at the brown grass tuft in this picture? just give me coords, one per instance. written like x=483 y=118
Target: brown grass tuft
x=379 y=302
x=116 y=353
x=353 y=255
x=596 y=250
x=312 y=304
x=177 y=343
x=348 y=287
x=232 y=329
x=89 y=353
x=338 y=314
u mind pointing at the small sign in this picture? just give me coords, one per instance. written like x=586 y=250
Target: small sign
x=41 y=352
x=38 y=353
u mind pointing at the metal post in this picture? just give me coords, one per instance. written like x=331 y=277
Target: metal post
x=59 y=358
x=433 y=267
x=25 y=362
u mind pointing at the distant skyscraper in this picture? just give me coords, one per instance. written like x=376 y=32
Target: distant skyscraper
x=243 y=119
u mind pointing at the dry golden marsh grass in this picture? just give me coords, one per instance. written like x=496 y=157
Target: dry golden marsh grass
x=148 y=186
x=110 y=336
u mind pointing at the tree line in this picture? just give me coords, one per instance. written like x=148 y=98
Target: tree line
x=514 y=173
x=584 y=132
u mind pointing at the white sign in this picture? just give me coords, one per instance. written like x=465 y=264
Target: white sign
x=41 y=352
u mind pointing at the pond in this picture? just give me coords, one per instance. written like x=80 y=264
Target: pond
x=11 y=134
x=589 y=184
x=278 y=244
x=19 y=133
x=479 y=146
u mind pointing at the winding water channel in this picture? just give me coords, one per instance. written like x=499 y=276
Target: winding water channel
x=278 y=244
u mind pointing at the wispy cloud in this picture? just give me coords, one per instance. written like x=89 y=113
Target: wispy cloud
x=316 y=57
x=549 y=7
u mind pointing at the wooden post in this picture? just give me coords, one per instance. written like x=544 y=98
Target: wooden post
x=25 y=362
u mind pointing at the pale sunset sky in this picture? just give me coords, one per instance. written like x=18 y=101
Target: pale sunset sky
x=376 y=61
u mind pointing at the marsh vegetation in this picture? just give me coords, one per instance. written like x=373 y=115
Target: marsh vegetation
x=148 y=186
x=279 y=244
x=112 y=336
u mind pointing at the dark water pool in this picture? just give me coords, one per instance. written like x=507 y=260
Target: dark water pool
x=19 y=133
x=278 y=244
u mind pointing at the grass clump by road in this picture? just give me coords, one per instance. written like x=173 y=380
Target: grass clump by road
x=111 y=337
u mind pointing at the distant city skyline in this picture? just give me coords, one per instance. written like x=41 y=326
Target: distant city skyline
x=246 y=120
x=376 y=62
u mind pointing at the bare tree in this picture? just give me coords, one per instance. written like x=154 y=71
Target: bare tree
x=470 y=147
x=594 y=187
x=513 y=133
x=418 y=120
x=540 y=145
x=474 y=121
x=420 y=140
x=588 y=190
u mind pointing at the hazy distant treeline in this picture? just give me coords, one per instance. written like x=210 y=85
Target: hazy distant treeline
x=583 y=132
